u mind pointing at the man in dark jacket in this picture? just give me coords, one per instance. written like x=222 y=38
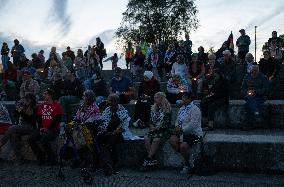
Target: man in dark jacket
x=70 y=53
x=100 y=49
x=269 y=67
x=147 y=89
x=254 y=88
x=72 y=92
x=99 y=87
x=243 y=43
x=227 y=67
x=17 y=51
x=218 y=97
x=122 y=86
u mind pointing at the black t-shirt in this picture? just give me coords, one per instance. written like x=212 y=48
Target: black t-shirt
x=114 y=123
x=73 y=88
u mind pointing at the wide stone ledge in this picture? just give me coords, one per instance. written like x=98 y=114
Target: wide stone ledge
x=272 y=114
x=231 y=150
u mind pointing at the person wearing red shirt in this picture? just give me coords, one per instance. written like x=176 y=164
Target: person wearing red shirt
x=49 y=115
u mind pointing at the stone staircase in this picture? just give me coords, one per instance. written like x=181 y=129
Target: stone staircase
x=276 y=94
x=230 y=148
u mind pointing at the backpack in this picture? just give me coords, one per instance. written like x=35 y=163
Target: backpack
x=5 y=120
x=204 y=164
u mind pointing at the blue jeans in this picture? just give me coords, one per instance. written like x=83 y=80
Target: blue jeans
x=87 y=84
x=100 y=99
x=5 y=59
x=252 y=105
x=16 y=60
x=65 y=101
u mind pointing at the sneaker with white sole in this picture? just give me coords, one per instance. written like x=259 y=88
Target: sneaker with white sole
x=135 y=124
x=150 y=162
x=184 y=170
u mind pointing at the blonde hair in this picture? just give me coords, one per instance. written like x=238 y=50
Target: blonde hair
x=165 y=105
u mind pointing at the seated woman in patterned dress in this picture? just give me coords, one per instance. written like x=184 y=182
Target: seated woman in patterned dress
x=159 y=127
x=88 y=111
x=115 y=128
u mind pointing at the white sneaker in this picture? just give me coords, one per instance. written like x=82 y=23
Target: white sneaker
x=184 y=170
x=135 y=124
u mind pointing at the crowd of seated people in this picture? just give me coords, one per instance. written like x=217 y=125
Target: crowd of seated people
x=72 y=79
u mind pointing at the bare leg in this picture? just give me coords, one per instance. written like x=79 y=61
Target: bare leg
x=147 y=144
x=174 y=141
x=184 y=153
x=154 y=147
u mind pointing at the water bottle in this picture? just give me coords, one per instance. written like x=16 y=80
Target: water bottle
x=62 y=129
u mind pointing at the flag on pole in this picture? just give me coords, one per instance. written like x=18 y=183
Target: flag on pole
x=231 y=41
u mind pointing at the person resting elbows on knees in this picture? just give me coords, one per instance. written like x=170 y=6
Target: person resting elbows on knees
x=49 y=115
x=187 y=130
x=25 y=112
x=115 y=128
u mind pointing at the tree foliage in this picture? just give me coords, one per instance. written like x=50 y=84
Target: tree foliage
x=157 y=20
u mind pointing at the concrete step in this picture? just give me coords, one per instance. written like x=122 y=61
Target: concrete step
x=272 y=114
x=230 y=150
x=246 y=151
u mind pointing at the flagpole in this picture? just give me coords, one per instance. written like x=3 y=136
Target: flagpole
x=255 y=43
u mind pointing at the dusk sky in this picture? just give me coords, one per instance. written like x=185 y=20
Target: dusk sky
x=44 y=23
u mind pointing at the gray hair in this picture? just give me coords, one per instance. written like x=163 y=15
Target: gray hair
x=249 y=57
x=227 y=52
x=90 y=95
x=211 y=55
x=113 y=98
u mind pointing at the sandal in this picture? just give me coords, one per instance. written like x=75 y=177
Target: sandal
x=208 y=128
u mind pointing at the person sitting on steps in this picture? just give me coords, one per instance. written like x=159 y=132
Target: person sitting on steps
x=187 y=130
x=159 y=128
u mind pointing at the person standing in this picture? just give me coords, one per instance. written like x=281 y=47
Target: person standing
x=17 y=51
x=5 y=56
x=80 y=65
x=70 y=53
x=40 y=55
x=155 y=62
x=187 y=45
x=137 y=63
x=243 y=43
x=114 y=60
x=129 y=53
x=100 y=49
